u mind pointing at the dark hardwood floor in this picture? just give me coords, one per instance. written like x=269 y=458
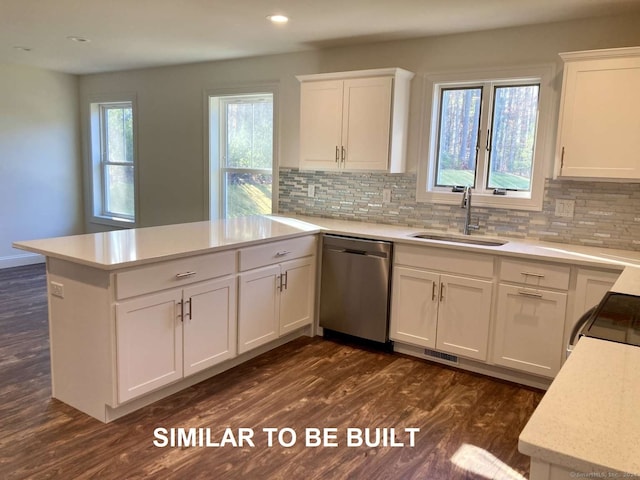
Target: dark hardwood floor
x=468 y=423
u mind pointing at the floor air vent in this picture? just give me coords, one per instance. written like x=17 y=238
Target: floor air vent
x=441 y=356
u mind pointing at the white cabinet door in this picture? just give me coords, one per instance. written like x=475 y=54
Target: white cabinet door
x=464 y=316
x=414 y=307
x=366 y=123
x=209 y=324
x=149 y=343
x=297 y=295
x=599 y=122
x=258 y=307
x=321 y=124
x=529 y=329
x=591 y=285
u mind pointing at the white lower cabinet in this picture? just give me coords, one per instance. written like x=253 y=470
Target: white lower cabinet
x=447 y=312
x=163 y=337
x=258 y=307
x=529 y=329
x=274 y=301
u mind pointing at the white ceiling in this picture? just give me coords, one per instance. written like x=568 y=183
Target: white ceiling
x=126 y=34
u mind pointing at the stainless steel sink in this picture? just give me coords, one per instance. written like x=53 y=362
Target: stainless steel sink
x=460 y=239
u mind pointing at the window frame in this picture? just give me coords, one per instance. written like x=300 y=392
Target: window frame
x=96 y=106
x=224 y=169
x=434 y=84
x=214 y=173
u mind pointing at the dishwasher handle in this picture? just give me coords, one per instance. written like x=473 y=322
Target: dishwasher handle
x=353 y=251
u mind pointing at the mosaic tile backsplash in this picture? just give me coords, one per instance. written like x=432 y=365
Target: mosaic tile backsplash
x=605 y=215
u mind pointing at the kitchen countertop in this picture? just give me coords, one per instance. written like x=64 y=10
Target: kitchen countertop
x=558 y=252
x=137 y=246
x=588 y=421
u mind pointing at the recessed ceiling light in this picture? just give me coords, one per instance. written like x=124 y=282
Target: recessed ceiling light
x=278 y=18
x=76 y=38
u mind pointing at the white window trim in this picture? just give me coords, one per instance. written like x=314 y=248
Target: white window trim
x=92 y=154
x=544 y=74
x=214 y=204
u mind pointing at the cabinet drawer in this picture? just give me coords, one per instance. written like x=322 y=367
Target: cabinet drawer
x=445 y=260
x=526 y=272
x=276 y=252
x=174 y=273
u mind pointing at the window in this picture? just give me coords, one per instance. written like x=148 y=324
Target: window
x=241 y=146
x=113 y=162
x=488 y=130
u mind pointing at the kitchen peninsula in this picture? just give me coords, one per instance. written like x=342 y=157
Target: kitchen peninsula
x=136 y=315
x=110 y=356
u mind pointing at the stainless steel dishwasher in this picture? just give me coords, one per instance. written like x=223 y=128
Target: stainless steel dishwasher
x=354 y=287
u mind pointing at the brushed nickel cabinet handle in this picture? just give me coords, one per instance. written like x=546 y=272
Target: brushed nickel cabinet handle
x=434 y=292
x=282 y=253
x=183 y=275
x=529 y=294
x=442 y=291
x=531 y=274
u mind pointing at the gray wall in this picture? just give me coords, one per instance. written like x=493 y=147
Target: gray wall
x=171 y=105
x=40 y=164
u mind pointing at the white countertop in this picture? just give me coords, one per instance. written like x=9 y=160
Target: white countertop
x=137 y=246
x=589 y=419
x=125 y=248
x=559 y=252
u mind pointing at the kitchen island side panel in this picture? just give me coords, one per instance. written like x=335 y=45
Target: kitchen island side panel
x=81 y=330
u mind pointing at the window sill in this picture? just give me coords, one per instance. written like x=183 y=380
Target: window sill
x=482 y=200
x=113 y=222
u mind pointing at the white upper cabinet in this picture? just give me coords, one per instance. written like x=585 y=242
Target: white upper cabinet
x=600 y=115
x=354 y=120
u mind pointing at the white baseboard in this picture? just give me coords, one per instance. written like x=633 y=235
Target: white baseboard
x=20 y=260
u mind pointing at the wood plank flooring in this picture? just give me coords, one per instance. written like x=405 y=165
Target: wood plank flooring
x=468 y=423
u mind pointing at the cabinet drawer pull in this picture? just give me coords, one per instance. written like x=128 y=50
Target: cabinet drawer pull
x=531 y=274
x=526 y=293
x=282 y=253
x=180 y=276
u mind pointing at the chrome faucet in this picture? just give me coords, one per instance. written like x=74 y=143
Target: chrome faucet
x=466 y=203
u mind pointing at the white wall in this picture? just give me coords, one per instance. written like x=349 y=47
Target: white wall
x=40 y=165
x=173 y=186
